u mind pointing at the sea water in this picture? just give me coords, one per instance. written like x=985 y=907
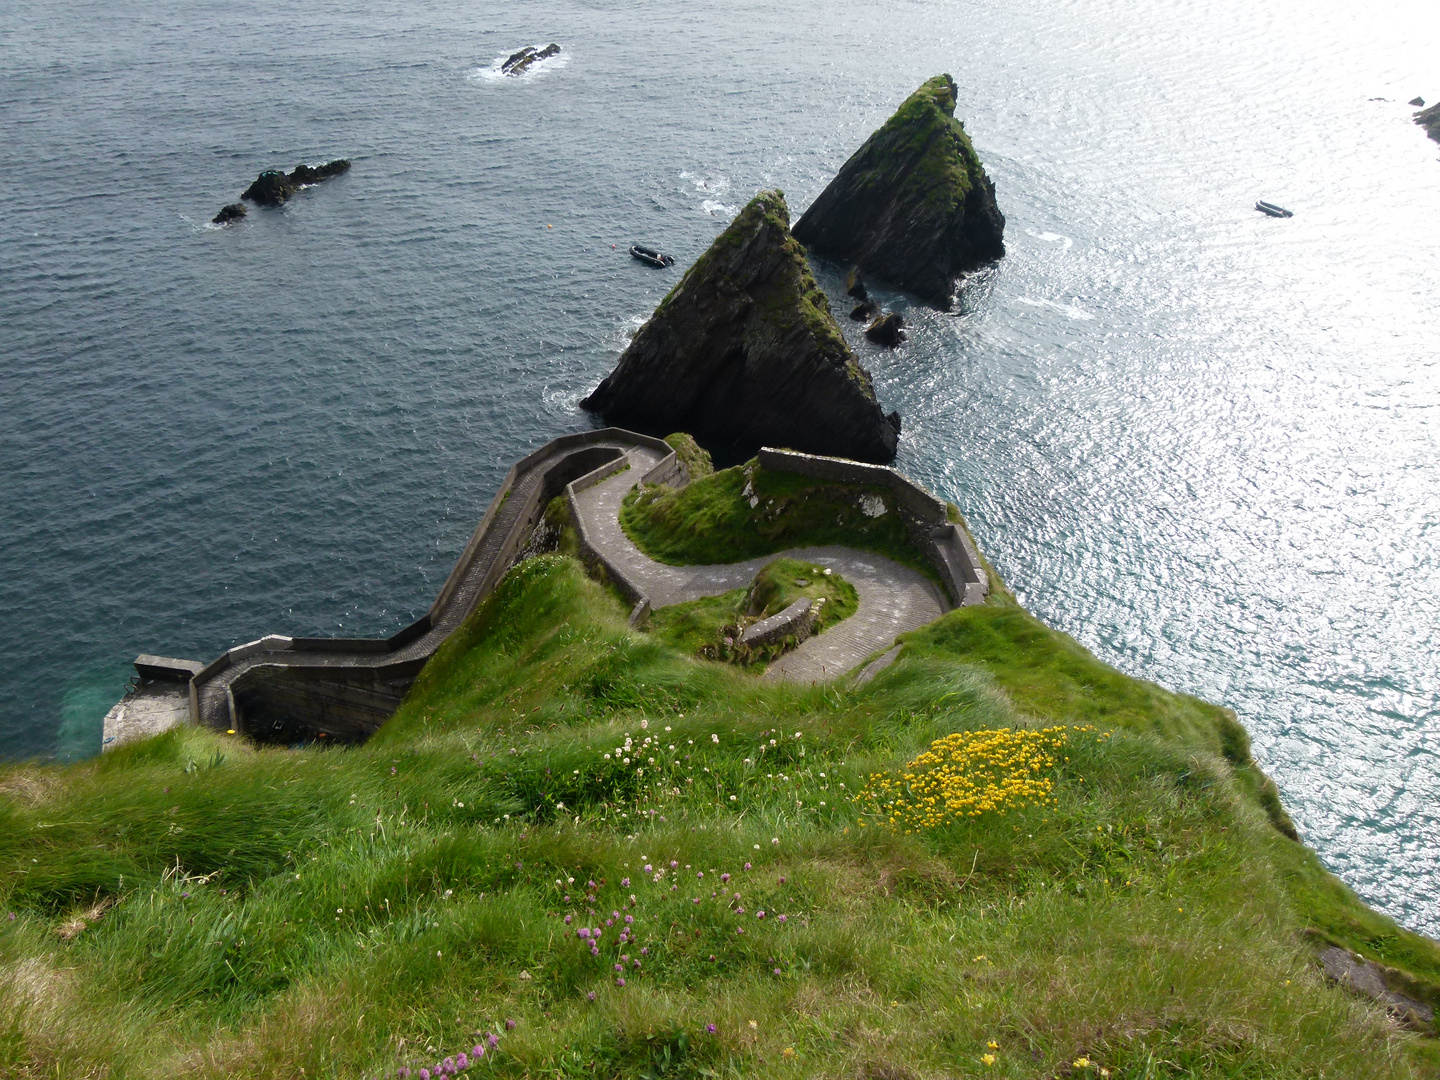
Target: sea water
x=1201 y=440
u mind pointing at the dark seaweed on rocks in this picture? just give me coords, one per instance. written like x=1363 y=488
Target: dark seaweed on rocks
x=745 y=350
x=274 y=187
x=913 y=205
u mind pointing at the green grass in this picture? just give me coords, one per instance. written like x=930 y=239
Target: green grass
x=924 y=149
x=338 y=913
x=702 y=624
x=712 y=521
x=692 y=455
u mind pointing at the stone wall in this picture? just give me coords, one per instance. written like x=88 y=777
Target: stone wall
x=285 y=689
x=946 y=545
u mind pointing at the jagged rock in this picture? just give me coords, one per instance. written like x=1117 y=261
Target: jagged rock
x=745 y=350
x=521 y=61
x=234 y=212
x=888 y=330
x=1429 y=119
x=912 y=206
x=1381 y=984
x=273 y=187
x=1418 y=102
x=865 y=311
x=855 y=284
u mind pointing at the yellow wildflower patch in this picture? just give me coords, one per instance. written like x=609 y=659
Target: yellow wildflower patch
x=968 y=774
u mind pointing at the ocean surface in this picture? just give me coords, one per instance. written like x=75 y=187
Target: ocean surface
x=1201 y=440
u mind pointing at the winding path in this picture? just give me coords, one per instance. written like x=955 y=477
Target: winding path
x=289 y=689
x=893 y=598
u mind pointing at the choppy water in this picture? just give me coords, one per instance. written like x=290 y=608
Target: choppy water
x=1201 y=440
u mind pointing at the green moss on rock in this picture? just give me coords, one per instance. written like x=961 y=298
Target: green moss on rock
x=913 y=205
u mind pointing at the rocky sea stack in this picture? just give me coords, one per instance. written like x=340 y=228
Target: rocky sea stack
x=1429 y=119
x=274 y=187
x=913 y=205
x=745 y=350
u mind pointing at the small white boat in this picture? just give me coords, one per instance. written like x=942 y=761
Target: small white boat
x=1272 y=209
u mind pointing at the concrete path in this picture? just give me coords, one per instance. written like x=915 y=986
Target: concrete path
x=893 y=599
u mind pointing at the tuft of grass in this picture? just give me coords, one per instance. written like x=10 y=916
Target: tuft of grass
x=349 y=911
x=694 y=457
x=701 y=624
x=712 y=520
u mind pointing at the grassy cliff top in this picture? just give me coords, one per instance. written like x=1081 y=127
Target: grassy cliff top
x=567 y=838
x=712 y=520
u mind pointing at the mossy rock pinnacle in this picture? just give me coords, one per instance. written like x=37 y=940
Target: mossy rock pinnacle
x=913 y=205
x=745 y=350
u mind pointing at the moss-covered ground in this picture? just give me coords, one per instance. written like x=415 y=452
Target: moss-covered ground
x=193 y=906
x=713 y=521
x=924 y=150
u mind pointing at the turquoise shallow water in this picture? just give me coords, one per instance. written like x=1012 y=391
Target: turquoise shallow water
x=1202 y=441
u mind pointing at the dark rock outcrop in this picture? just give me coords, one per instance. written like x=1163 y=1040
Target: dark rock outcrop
x=1418 y=102
x=274 y=187
x=1429 y=119
x=855 y=284
x=234 y=212
x=1384 y=985
x=888 y=330
x=912 y=206
x=520 y=62
x=745 y=350
x=865 y=311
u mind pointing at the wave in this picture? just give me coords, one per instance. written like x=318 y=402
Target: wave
x=1075 y=311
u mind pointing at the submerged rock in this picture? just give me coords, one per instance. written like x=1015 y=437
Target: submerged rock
x=888 y=330
x=273 y=187
x=1429 y=119
x=234 y=212
x=521 y=61
x=913 y=205
x=745 y=350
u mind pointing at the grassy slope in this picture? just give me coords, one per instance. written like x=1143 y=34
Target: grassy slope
x=377 y=906
x=711 y=520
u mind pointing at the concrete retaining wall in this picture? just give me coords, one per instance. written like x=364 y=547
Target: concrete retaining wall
x=926 y=518
x=667 y=471
x=286 y=689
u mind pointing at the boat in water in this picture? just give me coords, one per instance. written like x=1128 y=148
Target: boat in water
x=1272 y=209
x=651 y=256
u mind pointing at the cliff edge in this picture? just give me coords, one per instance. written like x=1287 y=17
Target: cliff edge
x=913 y=205
x=745 y=350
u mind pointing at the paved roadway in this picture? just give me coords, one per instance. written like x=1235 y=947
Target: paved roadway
x=893 y=598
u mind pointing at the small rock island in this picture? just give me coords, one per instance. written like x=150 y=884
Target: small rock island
x=273 y=187
x=520 y=62
x=745 y=350
x=913 y=205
